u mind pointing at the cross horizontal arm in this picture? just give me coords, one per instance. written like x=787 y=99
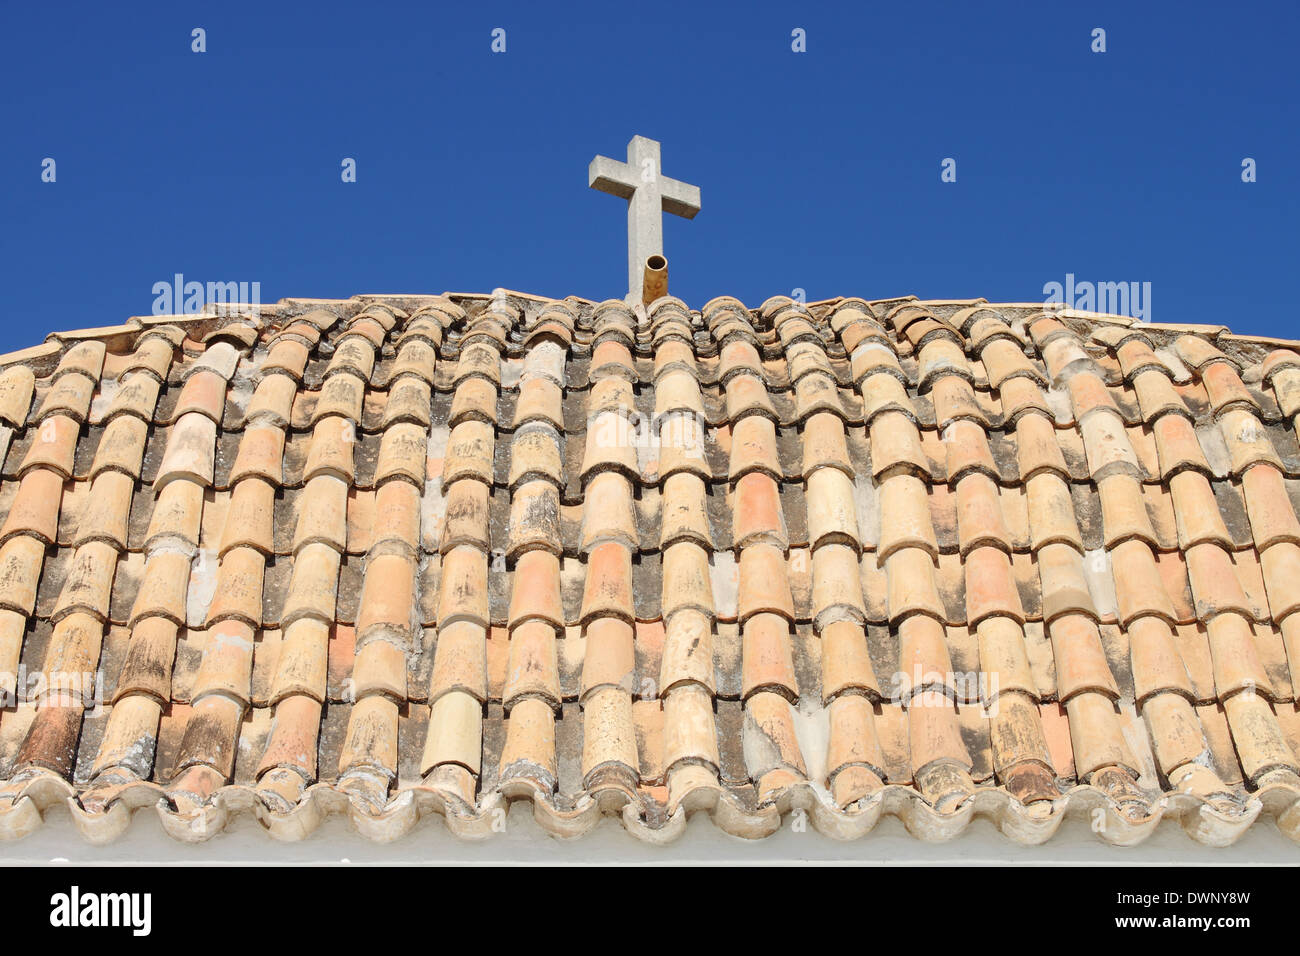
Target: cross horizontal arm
x=680 y=199
x=611 y=176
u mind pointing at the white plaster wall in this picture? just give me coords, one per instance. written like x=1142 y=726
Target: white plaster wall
x=244 y=842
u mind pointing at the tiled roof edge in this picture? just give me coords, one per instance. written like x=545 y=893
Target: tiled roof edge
x=1027 y=825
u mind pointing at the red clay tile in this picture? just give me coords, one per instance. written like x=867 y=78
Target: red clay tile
x=905 y=518
x=341 y=395
x=1064 y=585
x=747 y=395
x=1172 y=566
x=402 y=453
x=239 y=587
x=70 y=395
x=612 y=357
x=108 y=510
x=923 y=658
x=205 y=393
x=764 y=586
x=35 y=509
x=227 y=665
x=162 y=589
x=121 y=447
x=1197 y=511
x=990 y=586
x=1037 y=448
x=469 y=453
x=689 y=727
x=272 y=401
x=466 y=516
x=532 y=671
x=896 y=445
x=677 y=390
x=954 y=400
x=933 y=733
x=1081 y=665
x=1247 y=440
x=609 y=660
x=1020 y=752
x=250 y=518
x=683 y=514
x=17 y=384
x=1257 y=737
x=608 y=588
x=911 y=585
x=475 y=400
x=371 y=737
x=753 y=447
x=1020 y=396
x=1214 y=582
x=967 y=448
x=261 y=454
x=1138 y=585
x=1096 y=737
x=1236 y=658
x=54 y=446
x=302 y=667
x=397 y=517
x=89 y=582
x=767 y=661
x=1088 y=393
x=687 y=582
x=824 y=443
x=608 y=512
x=293 y=737
x=846 y=661
x=313 y=585
x=1051 y=511
x=1123 y=511
x=322 y=512
x=380 y=668
x=1224 y=387
x=836 y=585
x=1272 y=517
x=770 y=733
x=853 y=742
x=1004 y=663
x=535 y=593
x=883 y=393
x=757 y=517
x=460 y=667
x=611 y=441
x=1107 y=444
x=979 y=514
x=611 y=395
x=1281 y=569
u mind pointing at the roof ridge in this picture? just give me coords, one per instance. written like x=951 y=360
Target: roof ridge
x=215 y=318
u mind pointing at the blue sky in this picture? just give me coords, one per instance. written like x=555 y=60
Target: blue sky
x=819 y=170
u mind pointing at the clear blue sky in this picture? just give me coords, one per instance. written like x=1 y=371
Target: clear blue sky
x=819 y=170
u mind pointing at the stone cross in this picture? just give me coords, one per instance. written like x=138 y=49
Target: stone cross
x=648 y=194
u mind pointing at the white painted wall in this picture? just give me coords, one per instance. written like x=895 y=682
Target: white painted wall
x=244 y=841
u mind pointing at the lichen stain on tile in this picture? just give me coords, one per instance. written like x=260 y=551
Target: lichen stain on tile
x=724 y=574
x=867 y=504
x=202 y=587
x=812 y=728
x=1100 y=576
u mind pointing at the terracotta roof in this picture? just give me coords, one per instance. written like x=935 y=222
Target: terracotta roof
x=401 y=555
